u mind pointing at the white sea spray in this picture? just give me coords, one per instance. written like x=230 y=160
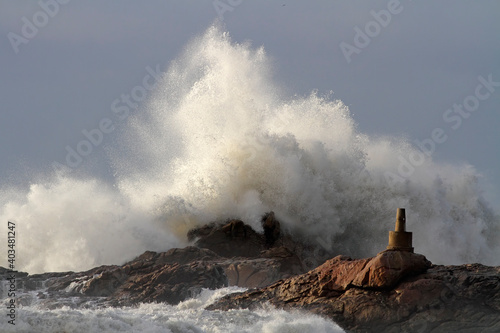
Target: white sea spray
x=220 y=139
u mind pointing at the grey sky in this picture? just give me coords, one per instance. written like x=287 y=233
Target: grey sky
x=426 y=59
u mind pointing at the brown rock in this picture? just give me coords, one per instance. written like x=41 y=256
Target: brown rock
x=381 y=272
x=389 y=267
x=152 y=277
x=259 y=272
x=393 y=292
x=170 y=283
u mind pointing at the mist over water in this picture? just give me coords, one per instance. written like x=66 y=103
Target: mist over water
x=219 y=139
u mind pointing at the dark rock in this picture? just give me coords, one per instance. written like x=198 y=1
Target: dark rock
x=272 y=228
x=252 y=263
x=233 y=239
x=235 y=228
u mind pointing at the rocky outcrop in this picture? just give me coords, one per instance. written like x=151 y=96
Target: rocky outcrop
x=170 y=283
x=168 y=277
x=231 y=239
x=251 y=260
x=395 y=291
x=226 y=254
x=392 y=292
x=272 y=265
x=381 y=272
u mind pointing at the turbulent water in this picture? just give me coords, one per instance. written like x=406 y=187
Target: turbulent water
x=186 y=317
x=218 y=138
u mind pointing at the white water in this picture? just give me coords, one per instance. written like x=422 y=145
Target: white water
x=186 y=317
x=219 y=139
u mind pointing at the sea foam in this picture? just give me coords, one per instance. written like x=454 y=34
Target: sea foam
x=186 y=317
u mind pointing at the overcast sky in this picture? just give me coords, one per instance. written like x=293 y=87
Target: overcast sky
x=399 y=75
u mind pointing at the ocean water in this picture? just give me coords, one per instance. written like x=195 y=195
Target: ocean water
x=186 y=317
x=219 y=138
